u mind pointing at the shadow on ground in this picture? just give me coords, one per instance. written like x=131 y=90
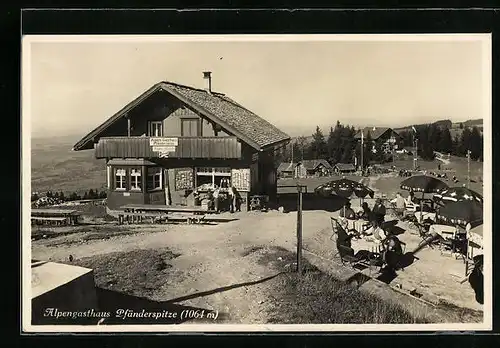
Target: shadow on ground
x=310 y=201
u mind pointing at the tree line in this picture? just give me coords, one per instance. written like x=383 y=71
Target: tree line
x=74 y=196
x=340 y=145
x=432 y=138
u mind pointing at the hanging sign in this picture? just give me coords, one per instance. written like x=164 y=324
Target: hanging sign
x=169 y=142
x=163 y=146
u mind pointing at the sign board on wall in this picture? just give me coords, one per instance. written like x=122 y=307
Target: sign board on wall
x=184 y=179
x=163 y=146
x=240 y=179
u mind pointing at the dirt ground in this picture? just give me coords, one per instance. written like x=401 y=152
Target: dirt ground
x=220 y=268
x=212 y=257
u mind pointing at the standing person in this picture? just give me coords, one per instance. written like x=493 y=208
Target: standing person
x=378 y=211
x=215 y=195
x=400 y=204
x=232 y=199
x=236 y=198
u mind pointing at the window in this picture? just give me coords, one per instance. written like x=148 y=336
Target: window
x=155 y=128
x=211 y=176
x=154 y=178
x=191 y=127
x=135 y=180
x=120 y=179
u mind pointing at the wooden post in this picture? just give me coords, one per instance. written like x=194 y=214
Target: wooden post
x=299 y=229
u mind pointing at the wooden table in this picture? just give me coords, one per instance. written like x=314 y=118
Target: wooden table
x=165 y=209
x=69 y=215
x=139 y=211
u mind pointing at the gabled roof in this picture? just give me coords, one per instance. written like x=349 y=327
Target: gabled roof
x=313 y=164
x=287 y=166
x=216 y=107
x=375 y=132
x=344 y=166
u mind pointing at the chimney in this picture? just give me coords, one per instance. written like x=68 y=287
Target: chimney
x=207 y=76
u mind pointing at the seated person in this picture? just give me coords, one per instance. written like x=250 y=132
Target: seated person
x=347 y=212
x=411 y=200
x=366 y=213
x=379 y=235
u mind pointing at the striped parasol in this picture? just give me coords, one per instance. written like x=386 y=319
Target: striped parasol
x=457 y=194
x=345 y=188
x=424 y=184
x=461 y=212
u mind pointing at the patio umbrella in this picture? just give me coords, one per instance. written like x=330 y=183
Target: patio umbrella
x=345 y=188
x=424 y=184
x=461 y=212
x=457 y=194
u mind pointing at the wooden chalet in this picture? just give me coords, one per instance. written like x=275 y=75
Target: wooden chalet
x=315 y=168
x=388 y=138
x=343 y=168
x=287 y=170
x=173 y=139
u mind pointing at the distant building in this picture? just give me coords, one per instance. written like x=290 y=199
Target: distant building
x=316 y=168
x=387 y=137
x=287 y=170
x=343 y=168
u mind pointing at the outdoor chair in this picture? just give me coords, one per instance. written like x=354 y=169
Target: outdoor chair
x=422 y=228
x=341 y=235
x=457 y=245
x=361 y=260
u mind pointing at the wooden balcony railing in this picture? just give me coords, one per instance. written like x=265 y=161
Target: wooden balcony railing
x=171 y=147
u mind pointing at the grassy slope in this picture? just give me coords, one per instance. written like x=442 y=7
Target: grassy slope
x=54 y=166
x=318 y=298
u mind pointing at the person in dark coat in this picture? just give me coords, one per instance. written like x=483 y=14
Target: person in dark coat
x=379 y=211
x=366 y=213
x=476 y=279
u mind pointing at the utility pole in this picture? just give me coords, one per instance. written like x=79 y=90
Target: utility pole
x=299 y=229
x=468 y=168
x=362 y=148
x=415 y=155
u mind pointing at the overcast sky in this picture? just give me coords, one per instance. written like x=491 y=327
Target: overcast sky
x=294 y=85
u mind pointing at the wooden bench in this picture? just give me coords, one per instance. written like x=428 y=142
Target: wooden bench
x=49 y=219
x=140 y=217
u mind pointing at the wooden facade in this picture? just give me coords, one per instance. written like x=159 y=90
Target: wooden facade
x=187 y=147
x=164 y=148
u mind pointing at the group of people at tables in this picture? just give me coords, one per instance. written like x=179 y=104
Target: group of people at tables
x=365 y=224
x=368 y=223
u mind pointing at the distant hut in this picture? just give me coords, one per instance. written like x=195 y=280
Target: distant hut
x=344 y=168
x=316 y=168
x=286 y=170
